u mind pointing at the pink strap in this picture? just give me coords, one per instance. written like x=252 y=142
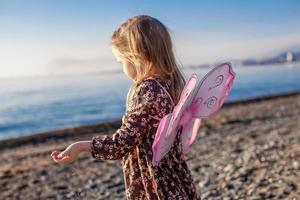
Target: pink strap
x=166 y=92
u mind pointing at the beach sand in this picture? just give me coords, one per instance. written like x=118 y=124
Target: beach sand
x=248 y=150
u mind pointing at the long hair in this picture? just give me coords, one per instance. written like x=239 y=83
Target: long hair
x=146 y=43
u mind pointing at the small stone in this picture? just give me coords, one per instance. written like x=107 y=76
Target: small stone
x=228 y=168
x=70 y=194
x=296 y=165
x=227 y=198
x=204 y=183
x=206 y=195
x=250 y=191
x=270 y=180
x=228 y=178
x=43 y=178
x=203 y=134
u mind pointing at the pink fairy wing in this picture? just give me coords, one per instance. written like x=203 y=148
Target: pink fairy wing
x=162 y=142
x=212 y=90
x=168 y=126
x=186 y=97
x=211 y=94
x=198 y=99
x=189 y=134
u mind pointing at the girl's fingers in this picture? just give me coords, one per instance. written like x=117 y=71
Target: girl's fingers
x=61 y=155
x=54 y=156
x=54 y=153
x=55 y=159
x=65 y=159
x=62 y=160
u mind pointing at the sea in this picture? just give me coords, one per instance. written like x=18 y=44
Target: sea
x=33 y=105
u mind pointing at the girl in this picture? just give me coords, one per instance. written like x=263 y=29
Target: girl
x=143 y=45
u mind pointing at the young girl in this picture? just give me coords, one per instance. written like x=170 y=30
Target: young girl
x=144 y=47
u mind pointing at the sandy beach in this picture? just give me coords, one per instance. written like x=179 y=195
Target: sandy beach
x=248 y=150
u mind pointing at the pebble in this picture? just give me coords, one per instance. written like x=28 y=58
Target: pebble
x=228 y=168
x=296 y=165
x=204 y=183
x=227 y=198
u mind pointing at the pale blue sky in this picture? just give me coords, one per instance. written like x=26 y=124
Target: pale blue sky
x=68 y=36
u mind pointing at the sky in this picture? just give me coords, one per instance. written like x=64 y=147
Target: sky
x=51 y=37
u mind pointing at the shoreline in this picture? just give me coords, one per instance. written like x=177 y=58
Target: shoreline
x=102 y=127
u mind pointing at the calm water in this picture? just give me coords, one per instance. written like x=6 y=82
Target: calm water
x=41 y=104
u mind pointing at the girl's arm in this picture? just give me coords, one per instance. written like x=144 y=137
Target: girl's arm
x=85 y=146
x=71 y=152
x=134 y=127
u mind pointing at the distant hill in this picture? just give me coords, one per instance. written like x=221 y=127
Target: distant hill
x=288 y=55
x=285 y=56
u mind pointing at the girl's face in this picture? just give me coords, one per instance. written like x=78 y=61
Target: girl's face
x=128 y=68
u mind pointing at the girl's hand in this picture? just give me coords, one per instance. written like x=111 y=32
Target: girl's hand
x=68 y=155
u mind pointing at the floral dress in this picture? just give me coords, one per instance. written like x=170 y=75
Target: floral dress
x=132 y=142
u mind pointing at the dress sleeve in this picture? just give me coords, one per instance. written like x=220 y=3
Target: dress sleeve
x=133 y=128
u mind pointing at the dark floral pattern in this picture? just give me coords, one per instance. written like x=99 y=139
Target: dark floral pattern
x=132 y=143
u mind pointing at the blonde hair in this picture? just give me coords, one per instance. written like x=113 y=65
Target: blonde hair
x=146 y=43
